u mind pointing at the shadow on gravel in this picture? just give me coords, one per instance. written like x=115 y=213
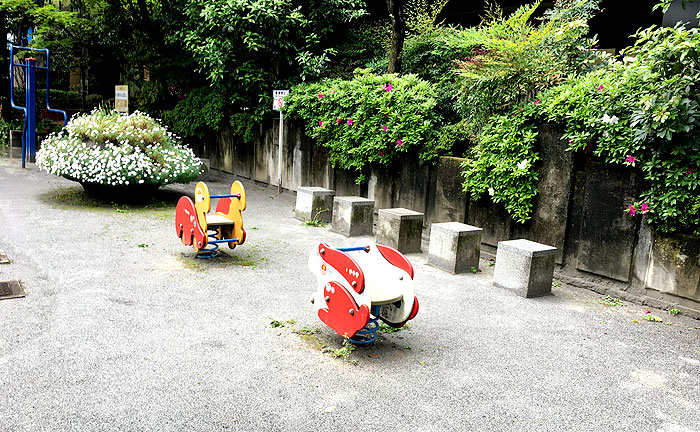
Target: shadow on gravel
x=242 y=256
x=75 y=197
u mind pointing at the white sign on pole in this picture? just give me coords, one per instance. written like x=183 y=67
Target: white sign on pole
x=278 y=99
x=121 y=98
x=277 y=105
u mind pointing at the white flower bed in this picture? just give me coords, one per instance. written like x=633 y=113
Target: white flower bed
x=110 y=149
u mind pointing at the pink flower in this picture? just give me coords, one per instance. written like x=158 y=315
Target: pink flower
x=537 y=102
x=571 y=141
x=632 y=210
x=350 y=122
x=630 y=160
x=337 y=119
x=645 y=208
x=384 y=128
x=399 y=143
x=332 y=91
x=600 y=87
x=647 y=311
x=320 y=95
x=689 y=172
x=387 y=87
x=320 y=123
x=381 y=153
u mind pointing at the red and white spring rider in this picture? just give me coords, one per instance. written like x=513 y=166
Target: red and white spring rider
x=357 y=286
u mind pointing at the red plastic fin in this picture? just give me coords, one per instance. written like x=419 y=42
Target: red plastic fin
x=186 y=223
x=414 y=310
x=223 y=205
x=341 y=312
x=347 y=266
x=396 y=259
x=185 y=219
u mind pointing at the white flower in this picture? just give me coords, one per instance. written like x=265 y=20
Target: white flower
x=491 y=191
x=522 y=164
x=610 y=120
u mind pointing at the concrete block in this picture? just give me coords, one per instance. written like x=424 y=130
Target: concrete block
x=400 y=228
x=314 y=203
x=454 y=246
x=525 y=267
x=353 y=215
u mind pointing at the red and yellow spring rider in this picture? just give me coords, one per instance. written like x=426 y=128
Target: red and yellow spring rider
x=197 y=228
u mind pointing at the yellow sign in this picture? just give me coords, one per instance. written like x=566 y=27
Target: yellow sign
x=121 y=99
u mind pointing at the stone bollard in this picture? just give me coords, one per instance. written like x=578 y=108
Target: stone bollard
x=314 y=203
x=400 y=229
x=525 y=267
x=454 y=246
x=353 y=215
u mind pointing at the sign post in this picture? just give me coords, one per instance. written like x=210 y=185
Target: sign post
x=278 y=105
x=121 y=99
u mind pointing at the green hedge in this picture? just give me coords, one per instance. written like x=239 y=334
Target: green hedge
x=369 y=120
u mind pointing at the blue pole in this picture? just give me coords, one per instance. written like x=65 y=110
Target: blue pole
x=31 y=107
x=356 y=248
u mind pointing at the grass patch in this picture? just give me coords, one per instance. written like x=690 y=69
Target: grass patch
x=192 y=264
x=652 y=318
x=277 y=323
x=315 y=221
x=611 y=301
x=673 y=311
x=120 y=208
x=343 y=352
x=385 y=328
x=71 y=197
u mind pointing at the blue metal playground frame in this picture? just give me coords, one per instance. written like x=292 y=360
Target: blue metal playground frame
x=29 y=108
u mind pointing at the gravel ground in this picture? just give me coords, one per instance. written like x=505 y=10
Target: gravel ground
x=122 y=329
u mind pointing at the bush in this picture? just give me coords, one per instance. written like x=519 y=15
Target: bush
x=643 y=113
x=372 y=119
x=433 y=56
x=514 y=59
x=106 y=148
x=501 y=165
x=61 y=99
x=200 y=112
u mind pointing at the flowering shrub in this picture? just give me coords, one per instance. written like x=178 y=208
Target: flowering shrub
x=110 y=149
x=371 y=119
x=643 y=112
x=501 y=163
x=514 y=57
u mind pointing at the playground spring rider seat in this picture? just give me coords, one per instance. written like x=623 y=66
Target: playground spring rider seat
x=357 y=286
x=196 y=227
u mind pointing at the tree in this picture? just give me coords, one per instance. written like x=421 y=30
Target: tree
x=398 y=33
x=245 y=47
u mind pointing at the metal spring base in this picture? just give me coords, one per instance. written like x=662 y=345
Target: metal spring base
x=368 y=334
x=211 y=252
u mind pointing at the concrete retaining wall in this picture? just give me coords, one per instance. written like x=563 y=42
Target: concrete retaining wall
x=579 y=210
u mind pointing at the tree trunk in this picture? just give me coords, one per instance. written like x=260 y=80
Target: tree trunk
x=398 y=34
